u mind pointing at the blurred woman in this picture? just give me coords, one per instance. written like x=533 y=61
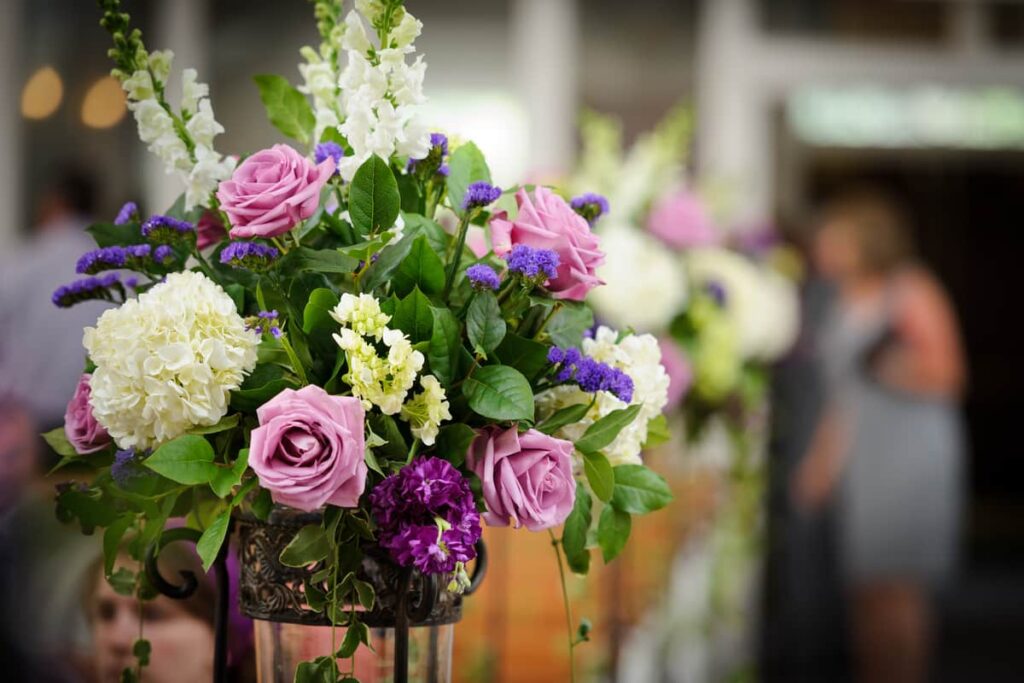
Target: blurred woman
x=890 y=443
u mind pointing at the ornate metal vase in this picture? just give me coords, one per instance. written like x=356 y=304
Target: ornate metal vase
x=411 y=623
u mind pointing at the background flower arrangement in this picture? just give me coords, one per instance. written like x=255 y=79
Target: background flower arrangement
x=298 y=330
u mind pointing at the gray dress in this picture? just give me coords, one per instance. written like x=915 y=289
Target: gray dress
x=901 y=490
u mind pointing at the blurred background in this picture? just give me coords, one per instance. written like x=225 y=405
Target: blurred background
x=793 y=99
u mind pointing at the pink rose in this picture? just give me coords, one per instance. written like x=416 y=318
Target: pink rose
x=679 y=370
x=681 y=221
x=83 y=431
x=548 y=222
x=527 y=478
x=309 y=449
x=209 y=230
x=272 y=191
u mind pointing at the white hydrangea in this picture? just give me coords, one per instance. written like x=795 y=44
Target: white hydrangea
x=427 y=410
x=200 y=169
x=639 y=356
x=379 y=381
x=167 y=361
x=638 y=269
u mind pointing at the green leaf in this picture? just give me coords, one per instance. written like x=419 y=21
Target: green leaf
x=87 y=506
x=237 y=294
x=365 y=592
x=317 y=313
x=310 y=544
x=453 y=442
x=604 y=431
x=306 y=260
x=315 y=597
x=467 y=165
x=565 y=416
x=187 y=460
x=112 y=536
x=390 y=258
x=599 y=475
x=567 y=326
x=499 y=392
x=249 y=399
x=57 y=439
x=417 y=224
x=141 y=650
x=385 y=427
x=227 y=422
x=353 y=637
x=287 y=108
x=612 y=532
x=212 y=539
x=110 y=235
x=526 y=355
x=262 y=504
x=574 y=533
x=320 y=670
x=413 y=316
x=227 y=477
x=657 y=432
x=122 y=581
x=374 y=200
x=484 y=324
x=421 y=268
x=639 y=490
x=445 y=344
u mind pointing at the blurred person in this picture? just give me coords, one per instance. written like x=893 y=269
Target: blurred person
x=889 y=446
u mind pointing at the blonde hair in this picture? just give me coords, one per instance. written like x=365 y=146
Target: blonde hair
x=877 y=223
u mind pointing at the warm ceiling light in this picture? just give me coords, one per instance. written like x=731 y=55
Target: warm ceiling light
x=104 y=104
x=42 y=94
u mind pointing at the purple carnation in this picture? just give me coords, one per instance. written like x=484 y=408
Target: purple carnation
x=591 y=375
x=590 y=205
x=129 y=213
x=328 y=150
x=426 y=516
x=165 y=229
x=532 y=263
x=479 y=195
x=482 y=276
x=88 y=288
x=248 y=255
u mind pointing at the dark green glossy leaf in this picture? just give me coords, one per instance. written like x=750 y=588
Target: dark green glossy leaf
x=574 y=533
x=499 y=392
x=306 y=260
x=526 y=355
x=484 y=325
x=212 y=539
x=413 y=315
x=467 y=165
x=422 y=268
x=390 y=258
x=639 y=490
x=187 y=460
x=374 y=200
x=57 y=439
x=599 y=475
x=565 y=416
x=310 y=545
x=445 y=344
x=453 y=442
x=612 y=532
x=604 y=431
x=110 y=235
x=567 y=326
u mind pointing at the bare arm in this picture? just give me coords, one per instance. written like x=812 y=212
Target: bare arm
x=819 y=471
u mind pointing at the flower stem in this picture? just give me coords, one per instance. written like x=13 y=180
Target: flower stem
x=551 y=314
x=568 y=609
x=453 y=265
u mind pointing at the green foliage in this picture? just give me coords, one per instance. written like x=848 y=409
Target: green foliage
x=212 y=539
x=311 y=544
x=374 y=200
x=453 y=442
x=187 y=460
x=499 y=392
x=110 y=235
x=613 y=529
x=466 y=166
x=484 y=324
x=413 y=315
x=599 y=475
x=57 y=439
x=567 y=326
x=421 y=269
x=604 y=431
x=574 y=533
x=639 y=490
x=563 y=417
x=286 y=107
x=445 y=345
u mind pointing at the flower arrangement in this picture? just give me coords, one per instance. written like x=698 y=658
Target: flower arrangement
x=299 y=330
x=721 y=305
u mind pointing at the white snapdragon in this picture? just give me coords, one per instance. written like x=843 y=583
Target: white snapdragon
x=639 y=356
x=407 y=31
x=168 y=360
x=200 y=169
x=353 y=37
x=320 y=80
x=427 y=410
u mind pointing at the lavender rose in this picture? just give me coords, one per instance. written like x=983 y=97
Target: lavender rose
x=309 y=449
x=272 y=191
x=80 y=426
x=547 y=222
x=527 y=478
x=681 y=222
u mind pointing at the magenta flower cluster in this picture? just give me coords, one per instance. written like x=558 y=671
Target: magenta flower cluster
x=591 y=375
x=426 y=516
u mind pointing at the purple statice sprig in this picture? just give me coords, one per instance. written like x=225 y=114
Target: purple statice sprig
x=129 y=213
x=572 y=366
x=434 y=161
x=480 y=194
x=249 y=256
x=590 y=205
x=168 y=230
x=329 y=150
x=532 y=263
x=427 y=518
x=481 y=276
x=138 y=257
x=101 y=287
x=265 y=321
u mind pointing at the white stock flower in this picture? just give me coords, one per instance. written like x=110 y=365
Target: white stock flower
x=167 y=361
x=139 y=86
x=160 y=64
x=202 y=126
x=210 y=169
x=639 y=356
x=152 y=119
x=638 y=269
x=427 y=410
